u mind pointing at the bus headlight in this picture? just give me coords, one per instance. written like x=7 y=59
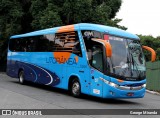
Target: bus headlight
x=113 y=84
x=110 y=83
x=144 y=85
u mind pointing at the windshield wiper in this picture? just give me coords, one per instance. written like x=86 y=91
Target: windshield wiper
x=129 y=61
x=136 y=65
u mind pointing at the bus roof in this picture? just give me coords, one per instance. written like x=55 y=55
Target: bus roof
x=81 y=26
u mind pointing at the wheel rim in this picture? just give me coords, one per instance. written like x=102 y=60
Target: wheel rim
x=75 y=88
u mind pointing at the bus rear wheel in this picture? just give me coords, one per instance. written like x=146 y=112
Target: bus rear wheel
x=21 y=77
x=76 y=88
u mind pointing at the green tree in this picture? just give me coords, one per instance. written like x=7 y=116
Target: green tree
x=10 y=17
x=45 y=14
x=49 y=13
x=10 y=23
x=153 y=43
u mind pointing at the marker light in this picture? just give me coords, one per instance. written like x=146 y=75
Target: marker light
x=106 y=37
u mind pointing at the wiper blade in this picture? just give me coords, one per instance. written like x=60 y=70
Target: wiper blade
x=129 y=61
x=136 y=65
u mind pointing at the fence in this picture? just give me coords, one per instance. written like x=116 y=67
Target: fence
x=153 y=76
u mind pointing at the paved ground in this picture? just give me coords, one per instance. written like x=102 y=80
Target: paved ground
x=32 y=96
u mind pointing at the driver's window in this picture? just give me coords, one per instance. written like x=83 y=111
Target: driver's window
x=94 y=49
x=97 y=57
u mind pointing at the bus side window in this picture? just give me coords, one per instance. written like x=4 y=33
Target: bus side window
x=77 y=49
x=31 y=45
x=97 y=57
x=94 y=49
x=42 y=44
x=15 y=45
x=67 y=42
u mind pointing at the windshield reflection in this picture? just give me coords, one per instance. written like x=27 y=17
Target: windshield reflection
x=127 y=61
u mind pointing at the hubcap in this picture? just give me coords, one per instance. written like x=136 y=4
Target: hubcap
x=75 y=88
x=21 y=78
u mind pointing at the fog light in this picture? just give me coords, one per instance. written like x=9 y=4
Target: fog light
x=112 y=93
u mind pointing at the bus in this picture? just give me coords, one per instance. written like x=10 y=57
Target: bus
x=83 y=58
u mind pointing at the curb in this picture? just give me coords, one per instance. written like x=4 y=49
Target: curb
x=152 y=92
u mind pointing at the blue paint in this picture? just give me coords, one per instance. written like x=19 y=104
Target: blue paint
x=83 y=26
x=36 y=74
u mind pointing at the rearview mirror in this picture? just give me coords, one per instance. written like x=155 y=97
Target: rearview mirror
x=153 y=53
x=107 y=45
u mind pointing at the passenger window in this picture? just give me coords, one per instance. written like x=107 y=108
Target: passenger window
x=67 y=42
x=60 y=42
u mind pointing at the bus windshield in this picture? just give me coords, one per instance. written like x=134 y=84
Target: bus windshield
x=127 y=61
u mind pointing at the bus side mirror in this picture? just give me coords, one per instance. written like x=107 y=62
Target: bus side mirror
x=153 y=53
x=108 y=49
x=107 y=46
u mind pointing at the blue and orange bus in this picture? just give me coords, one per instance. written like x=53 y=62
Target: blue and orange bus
x=83 y=58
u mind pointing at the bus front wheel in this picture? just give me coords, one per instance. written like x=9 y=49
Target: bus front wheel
x=21 y=77
x=76 y=88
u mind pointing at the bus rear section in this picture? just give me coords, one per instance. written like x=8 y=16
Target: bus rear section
x=45 y=58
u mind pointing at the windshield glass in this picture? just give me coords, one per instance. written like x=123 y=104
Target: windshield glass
x=127 y=61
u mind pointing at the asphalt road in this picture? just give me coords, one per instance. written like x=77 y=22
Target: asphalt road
x=33 y=96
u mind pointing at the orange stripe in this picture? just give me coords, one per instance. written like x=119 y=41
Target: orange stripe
x=63 y=56
x=68 y=28
x=76 y=58
x=120 y=80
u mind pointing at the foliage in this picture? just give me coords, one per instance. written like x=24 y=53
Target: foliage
x=21 y=16
x=49 y=13
x=45 y=14
x=153 y=43
x=10 y=18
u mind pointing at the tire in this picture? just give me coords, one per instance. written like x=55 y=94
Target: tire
x=21 y=77
x=76 y=88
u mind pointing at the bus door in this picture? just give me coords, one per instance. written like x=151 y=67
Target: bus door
x=96 y=63
x=94 y=52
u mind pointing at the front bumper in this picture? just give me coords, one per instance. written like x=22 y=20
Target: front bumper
x=112 y=92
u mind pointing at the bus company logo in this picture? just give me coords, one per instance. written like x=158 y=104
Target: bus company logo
x=88 y=33
x=62 y=58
